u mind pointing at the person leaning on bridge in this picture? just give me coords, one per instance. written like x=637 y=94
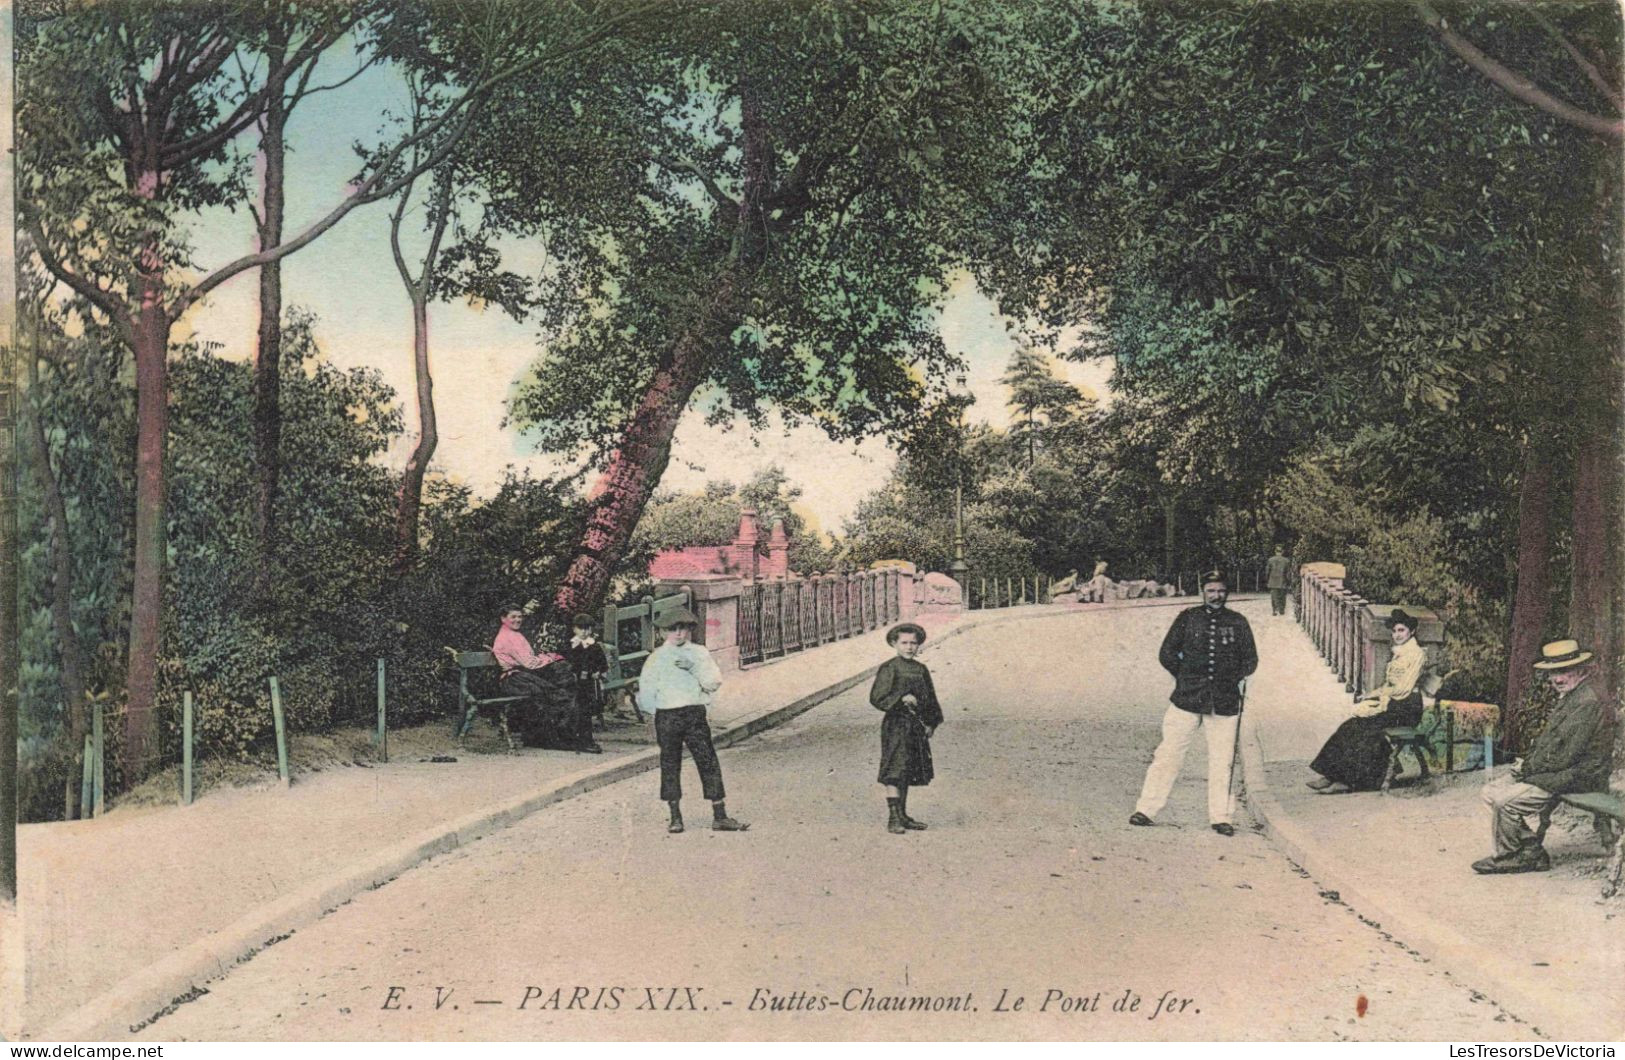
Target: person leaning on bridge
x=1570 y=755
x=1277 y=571
x=677 y=685
x=1356 y=756
x=1209 y=650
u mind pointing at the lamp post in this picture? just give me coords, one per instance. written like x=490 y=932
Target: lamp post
x=959 y=570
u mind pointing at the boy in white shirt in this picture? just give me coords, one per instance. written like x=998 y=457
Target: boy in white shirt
x=677 y=684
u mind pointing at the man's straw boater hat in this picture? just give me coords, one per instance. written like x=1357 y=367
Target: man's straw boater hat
x=1560 y=655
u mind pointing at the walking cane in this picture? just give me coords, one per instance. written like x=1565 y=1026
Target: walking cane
x=1235 y=750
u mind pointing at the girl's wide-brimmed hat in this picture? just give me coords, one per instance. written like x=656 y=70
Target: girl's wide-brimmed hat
x=680 y=617
x=1560 y=655
x=1400 y=618
x=905 y=627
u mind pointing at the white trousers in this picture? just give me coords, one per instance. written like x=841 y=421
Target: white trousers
x=1178 y=726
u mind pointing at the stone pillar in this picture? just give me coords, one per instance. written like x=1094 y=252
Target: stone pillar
x=778 y=552
x=745 y=541
x=715 y=602
x=1379 y=640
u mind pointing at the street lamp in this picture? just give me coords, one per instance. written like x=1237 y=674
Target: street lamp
x=959 y=569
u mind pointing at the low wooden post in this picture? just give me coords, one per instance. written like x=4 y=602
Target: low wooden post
x=1489 y=752
x=98 y=791
x=981 y=604
x=1009 y=591
x=87 y=785
x=281 y=732
x=382 y=739
x=646 y=623
x=186 y=748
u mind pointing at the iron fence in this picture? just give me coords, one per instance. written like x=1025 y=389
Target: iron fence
x=777 y=618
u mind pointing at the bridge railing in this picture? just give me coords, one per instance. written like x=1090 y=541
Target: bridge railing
x=1351 y=632
x=779 y=617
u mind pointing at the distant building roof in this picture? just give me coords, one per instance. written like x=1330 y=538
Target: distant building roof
x=678 y=563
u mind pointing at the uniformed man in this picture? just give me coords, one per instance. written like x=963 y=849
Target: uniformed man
x=1277 y=569
x=1209 y=650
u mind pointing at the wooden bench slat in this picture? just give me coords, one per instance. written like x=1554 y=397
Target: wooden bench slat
x=1597 y=802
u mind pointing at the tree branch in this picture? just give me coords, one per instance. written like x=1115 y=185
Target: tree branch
x=374 y=187
x=1593 y=74
x=682 y=163
x=87 y=290
x=1516 y=84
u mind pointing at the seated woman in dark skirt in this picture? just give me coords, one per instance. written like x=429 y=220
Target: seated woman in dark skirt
x=550 y=717
x=903 y=690
x=1356 y=756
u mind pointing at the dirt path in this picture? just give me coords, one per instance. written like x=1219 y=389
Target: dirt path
x=1028 y=886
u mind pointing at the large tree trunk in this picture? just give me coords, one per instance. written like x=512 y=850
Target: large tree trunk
x=69 y=648
x=268 y=355
x=1592 y=587
x=1531 y=597
x=151 y=348
x=635 y=466
x=410 y=499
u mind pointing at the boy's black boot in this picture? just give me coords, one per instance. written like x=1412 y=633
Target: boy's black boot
x=894 y=822
x=676 y=824
x=902 y=809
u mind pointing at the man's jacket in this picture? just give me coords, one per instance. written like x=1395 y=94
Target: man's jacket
x=1208 y=650
x=1572 y=753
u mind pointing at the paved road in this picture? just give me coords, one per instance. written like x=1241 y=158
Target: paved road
x=588 y=921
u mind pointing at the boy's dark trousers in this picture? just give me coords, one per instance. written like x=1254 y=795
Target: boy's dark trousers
x=673 y=729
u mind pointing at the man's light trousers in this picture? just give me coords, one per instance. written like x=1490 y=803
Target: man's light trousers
x=1178 y=727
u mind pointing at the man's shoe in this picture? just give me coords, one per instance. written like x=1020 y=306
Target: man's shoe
x=728 y=824
x=1140 y=819
x=1225 y=828
x=1525 y=859
x=912 y=825
x=591 y=749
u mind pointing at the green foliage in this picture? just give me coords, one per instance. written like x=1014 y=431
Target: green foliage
x=711 y=517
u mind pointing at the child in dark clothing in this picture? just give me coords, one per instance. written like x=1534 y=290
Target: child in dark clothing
x=587 y=661
x=903 y=690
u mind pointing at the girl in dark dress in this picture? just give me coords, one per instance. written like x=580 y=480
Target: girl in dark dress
x=1355 y=758
x=903 y=690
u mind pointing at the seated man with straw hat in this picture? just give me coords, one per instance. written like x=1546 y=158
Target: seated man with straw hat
x=1571 y=754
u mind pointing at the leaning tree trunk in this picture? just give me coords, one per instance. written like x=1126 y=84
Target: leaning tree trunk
x=67 y=638
x=622 y=492
x=268 y=356
x=1531 y=598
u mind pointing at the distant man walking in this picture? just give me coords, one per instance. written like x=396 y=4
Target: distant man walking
x=1277 y=569
x=1570 y=754
x=1209 y=650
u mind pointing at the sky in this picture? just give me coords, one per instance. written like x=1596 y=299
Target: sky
x=347 y=278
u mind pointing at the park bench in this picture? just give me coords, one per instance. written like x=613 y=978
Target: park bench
x=1417 y=739
x=471 y=679
x=1607 y=818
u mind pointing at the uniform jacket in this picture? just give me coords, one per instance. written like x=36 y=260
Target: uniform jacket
x=1572 y=753
x=1209 y=651
x=1277 y=569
